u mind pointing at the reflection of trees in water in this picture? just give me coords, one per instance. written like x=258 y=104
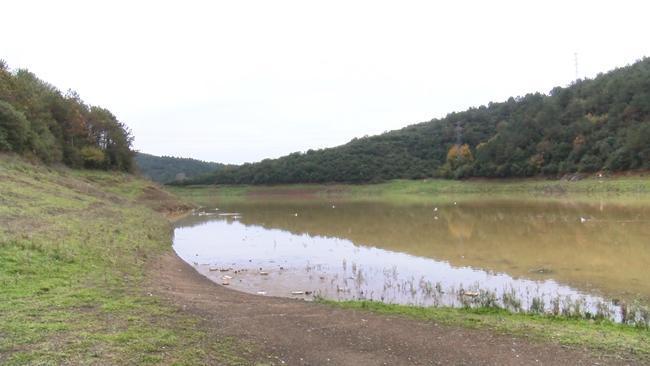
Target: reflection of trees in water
x=459 y=223
x=528 y=239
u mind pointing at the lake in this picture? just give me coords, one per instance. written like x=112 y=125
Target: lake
x=543 y=255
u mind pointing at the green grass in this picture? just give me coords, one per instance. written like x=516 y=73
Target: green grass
x=601 y=335
x=73 y=250
x=629 y=190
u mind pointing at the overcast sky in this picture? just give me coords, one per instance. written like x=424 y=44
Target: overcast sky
x=236 y=81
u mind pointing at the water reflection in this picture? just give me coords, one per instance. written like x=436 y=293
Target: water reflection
x=558 y=253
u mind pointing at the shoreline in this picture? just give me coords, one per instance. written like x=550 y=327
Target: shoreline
x=96 y=280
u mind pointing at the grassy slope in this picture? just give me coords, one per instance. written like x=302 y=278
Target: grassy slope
x=73 y=249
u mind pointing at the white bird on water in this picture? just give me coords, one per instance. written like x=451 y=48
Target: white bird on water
x=583 y=219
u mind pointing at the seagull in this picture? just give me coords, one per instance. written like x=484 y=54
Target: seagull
x=296 y=214
x=435 y=209
x=583 y=219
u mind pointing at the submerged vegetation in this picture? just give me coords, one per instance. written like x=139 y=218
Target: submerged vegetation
x=38 y=121
x=592 y=125
x=71 y=281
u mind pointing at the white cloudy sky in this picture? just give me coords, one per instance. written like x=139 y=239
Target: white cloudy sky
x=236 y=81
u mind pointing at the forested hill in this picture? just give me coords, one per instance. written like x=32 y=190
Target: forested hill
x=592 y=125
x=167 y=169
x=38 y=121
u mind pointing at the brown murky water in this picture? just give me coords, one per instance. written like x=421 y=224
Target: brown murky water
x=567 y=256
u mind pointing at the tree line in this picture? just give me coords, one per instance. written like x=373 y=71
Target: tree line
x=600 y=124
x=38 y=121
x=168 y=169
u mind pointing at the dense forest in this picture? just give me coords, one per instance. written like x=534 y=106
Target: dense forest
x=38 y=121
x=600 y=124
x=167 y=169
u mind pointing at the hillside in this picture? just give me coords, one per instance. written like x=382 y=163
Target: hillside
x=74 y=284
x=591 y=125
x=39 y=122
x=166 y=169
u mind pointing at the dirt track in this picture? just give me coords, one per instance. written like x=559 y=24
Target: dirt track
x=295 y=332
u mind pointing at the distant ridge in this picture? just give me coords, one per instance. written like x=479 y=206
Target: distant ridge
x=600 y=124
x=168 y=169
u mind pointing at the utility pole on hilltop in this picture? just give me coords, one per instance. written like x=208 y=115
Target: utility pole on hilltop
x=575 y=57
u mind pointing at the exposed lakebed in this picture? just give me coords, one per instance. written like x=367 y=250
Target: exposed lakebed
x=540 y=255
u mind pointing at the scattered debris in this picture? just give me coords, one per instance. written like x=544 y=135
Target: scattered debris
x=262 y=273
x=541 y=270
x=297 y=292
x=261 y=292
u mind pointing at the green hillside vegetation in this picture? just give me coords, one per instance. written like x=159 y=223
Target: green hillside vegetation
x=166 y=169
x=38 y=121
x=600 y=124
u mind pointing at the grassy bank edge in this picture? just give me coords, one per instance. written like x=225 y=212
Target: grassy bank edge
x=626 y=187
x=603 y=336
x=75 y=246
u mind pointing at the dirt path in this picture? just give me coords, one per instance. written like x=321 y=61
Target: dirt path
x=301 y=333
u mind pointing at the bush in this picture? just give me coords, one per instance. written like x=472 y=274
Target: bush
x=92 y=157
